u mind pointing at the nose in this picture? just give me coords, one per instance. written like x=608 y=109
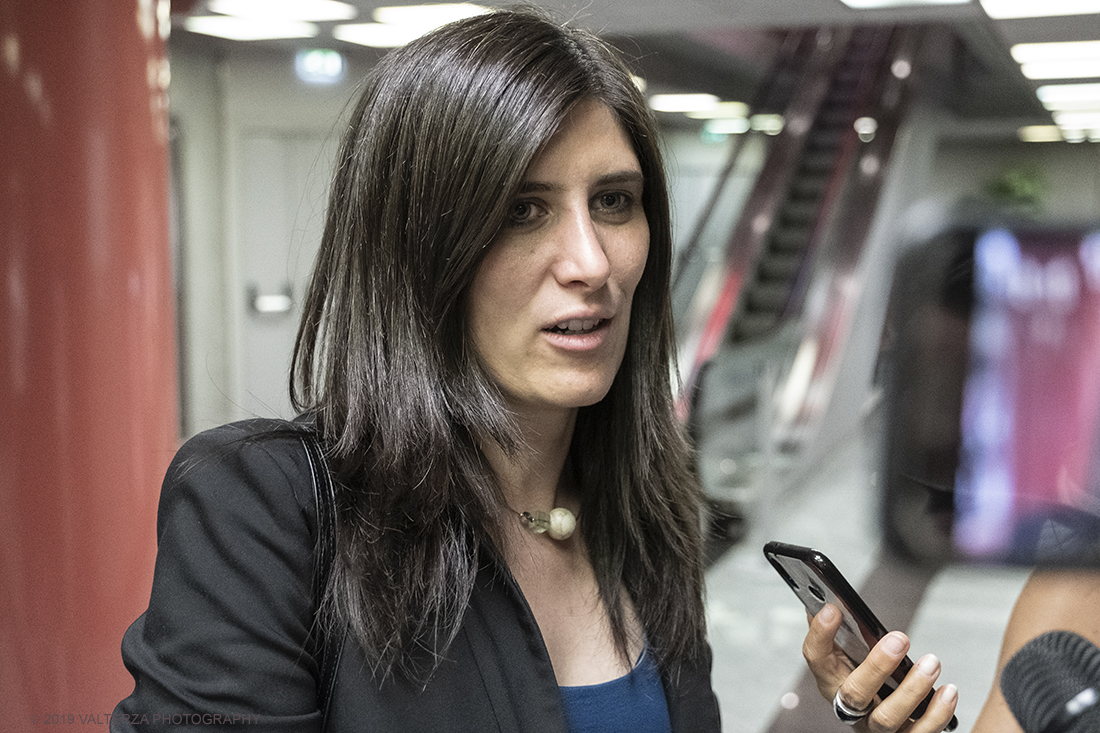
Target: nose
x=581 y=258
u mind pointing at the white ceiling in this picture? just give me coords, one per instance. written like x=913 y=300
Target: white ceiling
x=691 y=25
x=677 y=16
x=667 y=16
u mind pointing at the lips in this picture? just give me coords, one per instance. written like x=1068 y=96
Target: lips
x=577 y=326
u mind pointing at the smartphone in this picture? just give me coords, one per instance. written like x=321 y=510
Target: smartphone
x=992 y=353
x=816 y=581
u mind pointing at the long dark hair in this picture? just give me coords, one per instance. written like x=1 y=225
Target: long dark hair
x=434 y=151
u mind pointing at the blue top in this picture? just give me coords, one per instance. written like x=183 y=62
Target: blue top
x=633 y=703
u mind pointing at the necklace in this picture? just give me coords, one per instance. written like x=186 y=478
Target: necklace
x=559 y=522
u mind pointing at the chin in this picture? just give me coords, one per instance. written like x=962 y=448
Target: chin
x=584 y=397
x=567 y=396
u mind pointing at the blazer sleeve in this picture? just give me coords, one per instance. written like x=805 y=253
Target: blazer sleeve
x=692 y=704
x=225 y=640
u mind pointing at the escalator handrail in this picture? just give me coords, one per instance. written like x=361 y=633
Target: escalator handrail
x=788 y=55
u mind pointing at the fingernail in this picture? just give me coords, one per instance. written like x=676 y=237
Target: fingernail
x=929 y=665
x=894 y=643
x=827 y=614
x=949 y=693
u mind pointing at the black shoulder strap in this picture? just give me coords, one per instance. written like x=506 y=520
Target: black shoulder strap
x=329 y=642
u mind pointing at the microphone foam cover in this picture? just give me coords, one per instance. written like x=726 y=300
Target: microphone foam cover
x=1047 y=672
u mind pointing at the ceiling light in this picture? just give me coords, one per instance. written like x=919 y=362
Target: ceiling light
x=431 y=16
x=1062 y=51
x=730 y=126
x=1073 y=69
x=321 y=66
x=305 y=10
x=1040 y=134
x=870 y=164
x=1089 y=120
x=721 y=111
x=767 y=124
x=1083 y=106
x=1003 y=9
x=377 y=35
x=1063 y=97
x=865 y=128
x=1069 y=92
x=397 y=26
x=248 y=29
x=867 y=4
x=683 y=102
x=1063 y=60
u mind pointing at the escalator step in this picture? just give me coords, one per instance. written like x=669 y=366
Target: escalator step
x=776 y=265
x=798 y=213
x=826 y=137
x=839 y=109
x=851 y=72
x=817 y=162
x=768 y=296
x=809 y=186
x=838 y=116
x=842 y=98
x=751 y=325
x=790 y=239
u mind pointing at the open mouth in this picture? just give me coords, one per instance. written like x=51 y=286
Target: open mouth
x=577 y=327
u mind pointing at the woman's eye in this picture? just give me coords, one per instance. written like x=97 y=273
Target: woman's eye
x=523 y=212
x=613 y=203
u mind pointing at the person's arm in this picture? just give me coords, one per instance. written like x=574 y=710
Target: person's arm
x=226 y=632
x=859 y=685
x=1051 y=600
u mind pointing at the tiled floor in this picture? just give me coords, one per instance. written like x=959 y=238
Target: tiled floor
x=757 y=624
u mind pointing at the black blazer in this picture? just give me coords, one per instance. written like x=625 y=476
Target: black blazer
x=226 y=638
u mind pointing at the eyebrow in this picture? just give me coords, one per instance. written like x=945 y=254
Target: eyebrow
x=626 y=176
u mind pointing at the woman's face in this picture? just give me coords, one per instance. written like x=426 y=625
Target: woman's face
x=549 y=308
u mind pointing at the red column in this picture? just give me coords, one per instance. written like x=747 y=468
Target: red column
x=87 y=362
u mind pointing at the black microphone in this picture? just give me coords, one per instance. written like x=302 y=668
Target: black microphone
x=1052 y=685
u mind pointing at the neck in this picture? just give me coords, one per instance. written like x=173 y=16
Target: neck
x=531 y=478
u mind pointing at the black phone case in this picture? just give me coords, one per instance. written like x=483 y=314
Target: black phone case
x=816 y=581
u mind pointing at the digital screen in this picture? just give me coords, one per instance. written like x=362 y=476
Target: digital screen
x=1029 y=458
x=992 y=450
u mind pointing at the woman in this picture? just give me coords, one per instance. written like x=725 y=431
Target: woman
x=486 y=339
x=483 y=356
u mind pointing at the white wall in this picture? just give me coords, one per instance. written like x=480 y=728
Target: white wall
x=196 y=107
x=962 y=168
x=238 y=118
x=693 y=166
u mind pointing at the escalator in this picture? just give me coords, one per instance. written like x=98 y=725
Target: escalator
x=788 y=248
x=772 y=316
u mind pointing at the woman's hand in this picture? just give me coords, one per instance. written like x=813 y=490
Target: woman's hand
x=858 y=686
